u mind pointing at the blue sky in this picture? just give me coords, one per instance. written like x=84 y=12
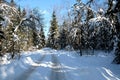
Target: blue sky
x=45 y=6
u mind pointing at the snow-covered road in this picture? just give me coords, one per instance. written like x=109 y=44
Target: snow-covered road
x=48 y=64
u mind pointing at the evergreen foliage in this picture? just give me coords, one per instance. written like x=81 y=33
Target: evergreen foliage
x=63 y=36
x=53 y=33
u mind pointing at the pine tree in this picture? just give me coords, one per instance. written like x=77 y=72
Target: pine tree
x=53 y=32
x=35 y=39
x=42 y=38
x=63 y=36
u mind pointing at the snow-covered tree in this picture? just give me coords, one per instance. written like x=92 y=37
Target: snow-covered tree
x=100 y=30
x=77 y=30
x=75 y=38
x=63 y=35
x=53 y=32
x=10 y=16
x=89 y=14
x=42 y=42
x=113 y=13
x=18 y=26
x=39 y=37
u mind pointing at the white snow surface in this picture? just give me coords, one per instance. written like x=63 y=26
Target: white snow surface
x=50 y=64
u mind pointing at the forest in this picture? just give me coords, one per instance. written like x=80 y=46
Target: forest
x=83 y=28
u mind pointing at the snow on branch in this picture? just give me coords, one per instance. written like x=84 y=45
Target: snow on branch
x=98 y=21
x=9 y=14
x=23 y=19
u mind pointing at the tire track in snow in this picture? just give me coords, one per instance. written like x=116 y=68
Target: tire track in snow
x=57 y=72
x=25 y=74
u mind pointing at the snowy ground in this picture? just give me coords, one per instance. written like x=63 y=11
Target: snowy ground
x=48 y=64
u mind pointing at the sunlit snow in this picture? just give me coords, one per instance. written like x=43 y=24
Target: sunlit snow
x=49 y=64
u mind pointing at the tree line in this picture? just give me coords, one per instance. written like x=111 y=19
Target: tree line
x=85 y=28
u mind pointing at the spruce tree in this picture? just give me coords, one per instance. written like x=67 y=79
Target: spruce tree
x=63 y=36
x=53 y=32
x=42 y=38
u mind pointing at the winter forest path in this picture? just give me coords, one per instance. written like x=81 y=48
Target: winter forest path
x=56 y=70
x=49 y=64
x=56 y=73
x=25 y=74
